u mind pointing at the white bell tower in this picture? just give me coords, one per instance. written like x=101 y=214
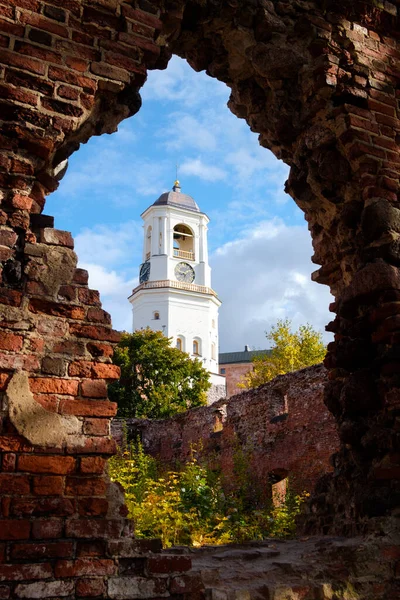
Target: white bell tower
x=174 y=294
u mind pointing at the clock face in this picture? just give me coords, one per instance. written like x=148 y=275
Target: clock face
x=184 y=272
x=144 y=272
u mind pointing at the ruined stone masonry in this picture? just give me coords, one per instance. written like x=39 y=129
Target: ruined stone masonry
x=283 y=428
x=319 y=81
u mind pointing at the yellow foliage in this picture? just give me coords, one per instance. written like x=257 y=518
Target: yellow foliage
x=290 y=351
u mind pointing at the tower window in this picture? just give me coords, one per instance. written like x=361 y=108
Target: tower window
x=213 y=323
x=183 y=242
x=156 y=316
x=213 y=352
x=223 y=371
x=197 y=347
x=180 y=343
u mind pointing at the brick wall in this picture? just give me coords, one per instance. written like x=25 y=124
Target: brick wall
x=282 y=427
x=320 y=85
x=234 y=374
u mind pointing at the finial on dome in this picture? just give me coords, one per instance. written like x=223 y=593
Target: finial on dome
x=177 y=186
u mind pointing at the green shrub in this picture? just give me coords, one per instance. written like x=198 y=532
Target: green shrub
x=188 y=506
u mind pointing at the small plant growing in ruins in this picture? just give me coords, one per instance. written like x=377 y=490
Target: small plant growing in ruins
x=189 y=506
x=157 y=380
x=290 y=351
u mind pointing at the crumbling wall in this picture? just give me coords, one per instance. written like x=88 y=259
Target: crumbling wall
x=319 y=83
x=280 y=427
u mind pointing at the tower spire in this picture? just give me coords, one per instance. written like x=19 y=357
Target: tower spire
x=177 y=185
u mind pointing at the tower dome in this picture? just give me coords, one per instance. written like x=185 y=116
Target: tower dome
x=177 y=199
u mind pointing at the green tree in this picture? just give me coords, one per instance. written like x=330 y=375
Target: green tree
x=290 y=351
x=157 y=380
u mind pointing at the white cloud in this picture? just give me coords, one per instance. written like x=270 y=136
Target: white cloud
x=264 y=276
x=108 y=245
x=202 y=170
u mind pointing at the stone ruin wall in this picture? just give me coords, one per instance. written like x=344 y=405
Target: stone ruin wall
x=283 y=428
x=320 y=83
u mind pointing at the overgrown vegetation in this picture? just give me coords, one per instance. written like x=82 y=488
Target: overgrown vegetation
x=157 y=380
x=290 y=351
x=188 y=506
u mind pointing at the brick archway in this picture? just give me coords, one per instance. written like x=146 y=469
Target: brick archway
x=320 y=86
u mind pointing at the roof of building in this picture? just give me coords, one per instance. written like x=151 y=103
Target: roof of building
x=247 y=355
x=176 y=198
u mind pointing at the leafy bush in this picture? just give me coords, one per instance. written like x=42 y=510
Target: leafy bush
x=189 y=506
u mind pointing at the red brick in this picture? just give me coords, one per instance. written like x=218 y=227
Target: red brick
x=14 y=484
x=99 y=349
x=57 y=74
x=87 y=486
x=98 y=315
x=81 y=276
x=60 y=507
x=96 y=426
x=22 y=62
x=22 y=202
x=98 y=332
x=94 y=528
x=11 y=342
x=38 y=52
x=51 y=385
x=67 y=92
x=186 y=584
x=69 y=347
x=19 y=361
x=32 y=463
x=68 y=311
x=87 y=408
x=89 y=296
x=93 y=389
x=93 y=507
x=23 y=96
x=47 y=550
x=8 y=462
x=90 y=587
x=48 y=485
x=4 y=380
x=12 y=28
x=43 y=23
x=93 y=464
x=49 y=401
x=7 y=237
x=20 y=572
x=168 y=564
x=25 y=80
x=47 y=528
x=93 y=369
x=84 y=566
x=142 y=17
x=104 y=70
x=91 y=548
x=95 y=445
x=11 y=529
x=14 y=443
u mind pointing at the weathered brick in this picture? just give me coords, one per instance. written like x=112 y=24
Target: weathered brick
x=96 y=426
x=12 y=529
x=93 y=389
x=85 y=486
x=51 y=385
x=8 y=463
x=47 y=528
x=59 y=465
x=168 y=564
x=44 y=589
x=40 y=550
x=11 y=342
x=99 y=349
x=90 y=587
x=48 y=485
x=88 y=408
x=89 y=296
x=58 y=74
x=22 y=62
x=97 y=332
x=93 y=464
x=84 y=566
x=14 y=484
x=104 y=70
x=38 y=507
x=98 y=315
x=94 y=528
x=43 y=23
x=38 y=52
x=93 y=369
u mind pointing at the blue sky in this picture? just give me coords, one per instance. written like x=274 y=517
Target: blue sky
x=259 y=245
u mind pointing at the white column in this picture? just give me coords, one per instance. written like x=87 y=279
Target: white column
x=164 y=249
x=155 y=237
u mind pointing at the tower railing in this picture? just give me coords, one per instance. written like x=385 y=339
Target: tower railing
x=189 y=255
x=164 y=283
